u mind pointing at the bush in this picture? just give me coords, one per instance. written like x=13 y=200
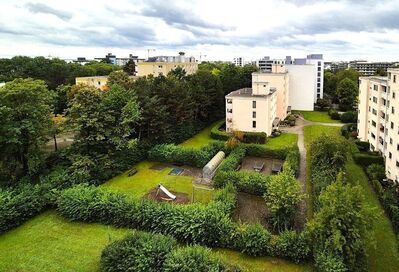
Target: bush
x=348 y=130
x=254 y=240
x=171 y=153
x=365 y=160
x=349 y=117
x=217 y=134
x=21 y=204
x=248 y=137
x=363 y=146
x=137 y=252
x=248 y=182
x=334 y=114
x=193 y=259
x=292 y=161
x=293 y=246
x=233 y=160
x=329 y=263
x=255 y=137
x=265 y=152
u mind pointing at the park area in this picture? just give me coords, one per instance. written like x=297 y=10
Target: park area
x=51 y=242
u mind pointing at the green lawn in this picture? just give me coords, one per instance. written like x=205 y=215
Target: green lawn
x=384 y=256
x=312 y=132
x=260 y=264
x=50 y=243
x=146 y=179
x=201 y=139
x=284 y=140
x=318 y=116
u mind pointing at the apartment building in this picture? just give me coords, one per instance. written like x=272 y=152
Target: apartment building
x=164 y=64
x=271 y=98
x=378 y=118
x=366 y=68
x=100 y=82
x=239 y=61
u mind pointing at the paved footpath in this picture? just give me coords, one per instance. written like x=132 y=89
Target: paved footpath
x=298 y=129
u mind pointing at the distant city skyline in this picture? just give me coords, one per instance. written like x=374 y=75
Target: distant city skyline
x=340 y=30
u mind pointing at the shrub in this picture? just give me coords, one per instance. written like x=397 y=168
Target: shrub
x=255 y=137
x=365 y=159
x=254 y=240
x=247 y=137
x=137 y=252
x=376 y=172
x=21 y=204
x=293 y=246
x=349 y=117
x=292 y=161
x=329 y=263
x=265 y=152
x=217 y=134
x=233 y=160
x=363 y=146
x=334 y=114
x=248 y=182
x=348 y=130
x=193 y=259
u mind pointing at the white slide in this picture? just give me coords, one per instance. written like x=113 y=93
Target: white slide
x=169 y=194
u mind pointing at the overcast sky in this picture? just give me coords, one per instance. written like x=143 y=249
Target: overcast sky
x=219 y=29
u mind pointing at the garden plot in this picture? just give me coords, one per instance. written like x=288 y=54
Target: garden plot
x=144 y=183
x=251 y=209
x=262 y=165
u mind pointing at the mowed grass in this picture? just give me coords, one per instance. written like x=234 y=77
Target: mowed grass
x=146 y=179
x=282 y=141
x=50 y=243
x=201 y=139
x=260 y=264
x=384 y=255
x=318 y=116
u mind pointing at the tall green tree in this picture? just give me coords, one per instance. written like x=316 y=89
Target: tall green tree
x=26 y=107
x=120 y=78
x=342 y=227
x=330 y=85
x=350 y=73
x=347 y=92
x=130 y=68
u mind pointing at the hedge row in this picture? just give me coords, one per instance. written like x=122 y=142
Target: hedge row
x=265 y=152
x=247 y=182
x=248 y=137
x=194 y=224
x=171 y=153
x=156 y=253
x=365 y=159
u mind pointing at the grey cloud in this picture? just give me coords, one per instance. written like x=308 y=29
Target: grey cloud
x=42 y=8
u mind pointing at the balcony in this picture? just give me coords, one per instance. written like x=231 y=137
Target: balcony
x=229 y=101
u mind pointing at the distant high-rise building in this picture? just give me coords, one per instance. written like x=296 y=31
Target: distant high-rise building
x=239 y=61
x=366 y=68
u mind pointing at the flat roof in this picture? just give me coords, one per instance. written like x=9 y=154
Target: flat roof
x=380 y=79
x=247 y=92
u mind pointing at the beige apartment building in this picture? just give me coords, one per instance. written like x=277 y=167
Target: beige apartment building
x=100 y=82
x=378 y=118
x=162 y=65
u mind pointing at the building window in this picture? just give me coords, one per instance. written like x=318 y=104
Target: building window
x=392 y=125
x=372 y=135
x=318 y=68
x=99 y=83
x=229 y=101
x=394 y=78
x=318 y=85
x=374 y=112
x=318 y=79
x=390 y=141
x=319 y=63
x=375 y=87
x=254 y=124
x=318 y=74
x=230 y=110
x=318 y=96
x=254 y=114
x=393 y=110
x=254 y=104
x=374 y=99
x=373 y=123
x=393 y=95
x=390 y=155
x=397 y=147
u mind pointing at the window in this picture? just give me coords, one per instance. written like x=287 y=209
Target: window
x=397 y=147
x=229 y=101
x=99 y=83
x=372 y=135
x=318 y=79
x=390 y=141
x=394 y=78
x=318 y=68
x=159 y=66
x=318 y=90
x=318 y=96
x=230 y=110
x=374 y=112
x=318 y=85
x=393 y=110
x=390 y=155
x=375 y=87
x=393 y=95
x=254 y=114
x=318 y=74
x=373 y=123
x=319 y=63
x=392 y=125
x=254 y=124
x=374 y=99
x=254 y=104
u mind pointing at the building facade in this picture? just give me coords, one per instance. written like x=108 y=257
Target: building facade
x=164 y=64
x=100 y=82
x=366 y=68
x=378 y=118
x=239 y=61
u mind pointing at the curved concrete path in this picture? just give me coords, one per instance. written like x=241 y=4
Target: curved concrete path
x=302 y=176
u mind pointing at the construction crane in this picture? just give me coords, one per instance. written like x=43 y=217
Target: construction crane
x=148 y=52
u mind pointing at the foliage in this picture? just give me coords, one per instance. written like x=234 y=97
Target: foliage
x=130 y=68
x=334 y=114
x=137 y=252
x=233 y=160
x=25 y=124
x=218 y=134
x=193 y=259
x=293 y=246
x=347 y=91
x=347 y=130
x=349 y=117
x=330 y=85
x=121 y=78
x=366 y=159
x=342 y=225
x=248 y=182
x=323 y=103
x=190 y=156
x=282 y=198
x=265 y=151
x=254 y=240
x=292 y=161
x=327 y=262
x=363 y=145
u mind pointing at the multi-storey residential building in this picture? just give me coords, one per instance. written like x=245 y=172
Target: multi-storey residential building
x=265 y=65
x=366 y=68
x=239 y=61
x=336 y=65
x=271 y=98
x=100 y=82
x=164 y=64
x=378 y=118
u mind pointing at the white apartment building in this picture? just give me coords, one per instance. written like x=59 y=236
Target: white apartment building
x=271 y=98
x=378 y=118
x=239 y=61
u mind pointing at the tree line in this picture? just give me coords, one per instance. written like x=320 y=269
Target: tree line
x=111 y=129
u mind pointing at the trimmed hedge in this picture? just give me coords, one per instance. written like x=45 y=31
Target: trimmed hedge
x=248 y=137
x=365 y=159
x=195 y=223
x=137 y=252
x=292 y=161
x=254 y=240
x=362 y=145
x=171 y=153
x=248 y=182
x=264 y=152
x=349 y=117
